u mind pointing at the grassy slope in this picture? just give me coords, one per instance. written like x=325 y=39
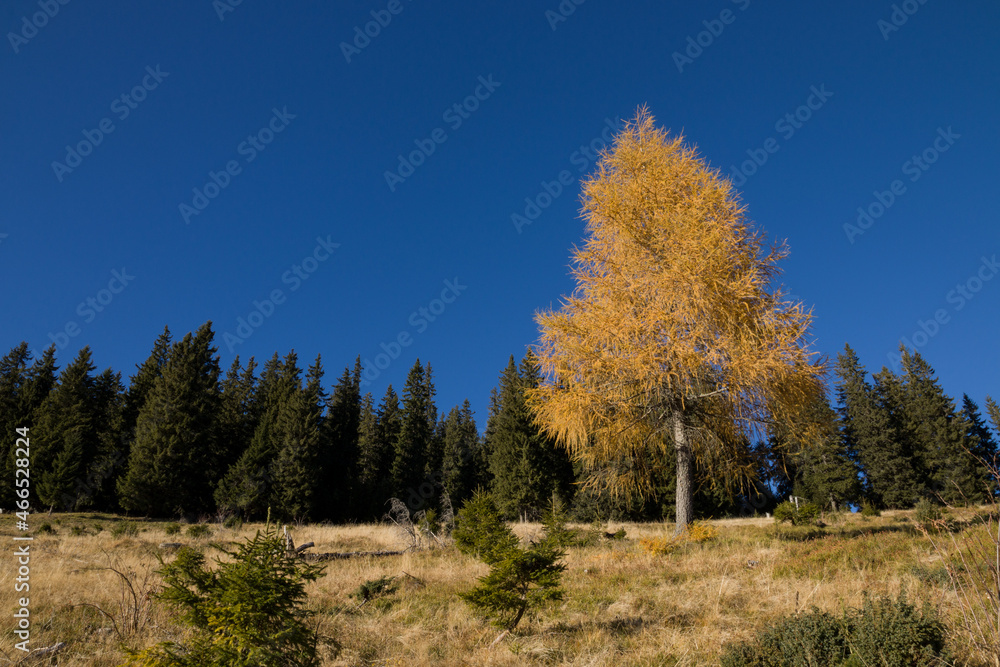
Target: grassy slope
x=623 y=607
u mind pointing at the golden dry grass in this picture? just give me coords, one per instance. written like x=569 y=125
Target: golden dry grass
x=623 y=606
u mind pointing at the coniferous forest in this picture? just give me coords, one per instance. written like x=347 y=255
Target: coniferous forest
x=181 y=437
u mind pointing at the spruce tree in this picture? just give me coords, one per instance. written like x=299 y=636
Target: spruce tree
x=237 y=413
x=169 y=468
x=142 y=382
x=370 y=460
x=247 y=487
x=411 y=446
x=871 y=425
x=22 y=391
x=111 y=454
x=298 y=477
x=461 y=444
x=938 y=434
x=64 y=440
x=824 y=470
x=993 y=410
x=340 y=455
x=977 y=434
x=526 y=465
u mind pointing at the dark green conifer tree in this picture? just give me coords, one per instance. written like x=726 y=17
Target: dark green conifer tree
x=237 y=414
x=527 y=467
x=950 y=473
x=461 y=444
x=98 y=488
x=411 y=446
x=340 y=454
x=169 y=469
x=23 y=389
x=871 y=425
x=65 y=438
x=298 y=476
x=993 y=410
x=977 y=434
x=247 y=487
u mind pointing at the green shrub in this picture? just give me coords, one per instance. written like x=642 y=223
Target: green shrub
x=46 y=529
x=172 y=528
x=554 y=522
x=77 y=530
x=98 y=527
x=197 y=530
x=885 y=632
x=125 y=529
x=927 y=512
x=246 y=612
x=233 y=522
x=374 y=588
x=869 y=510
x=798 y=516
x=520 y=579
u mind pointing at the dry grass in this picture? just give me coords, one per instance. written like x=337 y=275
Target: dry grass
x=623 y=606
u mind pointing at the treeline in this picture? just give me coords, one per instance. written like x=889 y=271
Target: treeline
x=185 y=439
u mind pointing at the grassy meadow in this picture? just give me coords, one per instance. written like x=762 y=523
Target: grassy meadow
x=623 y=606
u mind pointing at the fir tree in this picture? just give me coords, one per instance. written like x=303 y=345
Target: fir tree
x=247 y=487
x=298 y=477
x=22 y=392
x=938 y=435
x=526 y=465
x=415 y=434
x=64 y=441
x=169 y=468
x=371 y=459
x=871 y=426
x=993 y=410
x=237 y=413
x=461 y=444
x=341 y=454
x=111 y=454
x=977 y=433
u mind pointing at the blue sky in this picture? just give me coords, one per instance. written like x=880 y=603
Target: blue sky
x=255 y=138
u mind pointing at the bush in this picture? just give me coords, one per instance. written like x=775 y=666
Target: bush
x=172 y=528
x=927 y=512
x=798 y=516
x=869 y=510
x=233 y=522
x=246 y=612
x=46 y=529
x=554 y=521
x=125 y=529
x=197 y=530
x=519 y=580
x=884 y=632
x=78 y=530
x=374 y=588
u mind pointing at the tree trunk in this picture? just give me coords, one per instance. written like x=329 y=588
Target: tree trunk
x=685 y=471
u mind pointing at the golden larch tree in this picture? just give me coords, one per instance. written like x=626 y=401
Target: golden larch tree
x=677 y=335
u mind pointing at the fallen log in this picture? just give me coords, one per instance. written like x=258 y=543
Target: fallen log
x=349 y=554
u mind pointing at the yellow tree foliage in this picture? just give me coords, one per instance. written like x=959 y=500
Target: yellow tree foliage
x=676 y=336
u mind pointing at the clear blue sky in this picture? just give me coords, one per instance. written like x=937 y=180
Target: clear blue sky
x=222 y=78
